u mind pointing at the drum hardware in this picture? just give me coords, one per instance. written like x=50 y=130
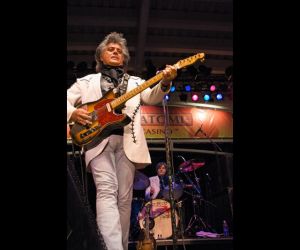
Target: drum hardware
x=185 y=168
x=195 y=221
x=179 y=206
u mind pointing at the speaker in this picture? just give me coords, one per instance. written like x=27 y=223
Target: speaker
x=82 y=229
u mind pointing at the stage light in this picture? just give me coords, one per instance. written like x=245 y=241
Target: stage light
x=212 y=87
x=195 y=97
x=219 y=97
x=201 y=115
x=206 y=97
x=187 y=88
x=173 y=89
x=167 y=97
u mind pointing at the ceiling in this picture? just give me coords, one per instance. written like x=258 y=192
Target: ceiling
x=164 y=31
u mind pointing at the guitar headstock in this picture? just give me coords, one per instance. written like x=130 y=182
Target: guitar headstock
x=190 y=60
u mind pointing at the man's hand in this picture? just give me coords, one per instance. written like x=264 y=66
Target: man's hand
x=81 y=116
x=169 y=73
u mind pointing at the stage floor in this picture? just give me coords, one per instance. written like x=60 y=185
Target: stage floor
x=192 y=243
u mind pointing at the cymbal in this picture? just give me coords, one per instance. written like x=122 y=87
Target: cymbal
x=140 y=181
x=177 y=191
x=190 y=165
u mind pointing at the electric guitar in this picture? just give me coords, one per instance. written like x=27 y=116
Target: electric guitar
x=148 y=243
x=102 y=111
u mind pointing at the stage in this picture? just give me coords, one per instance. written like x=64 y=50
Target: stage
x=192 y=243
x=196 y=211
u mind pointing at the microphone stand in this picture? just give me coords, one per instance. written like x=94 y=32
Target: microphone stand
x=170 y=174
x=211 y=141
x=216 y=147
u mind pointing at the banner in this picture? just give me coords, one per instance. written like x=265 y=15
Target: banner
x=187 y=122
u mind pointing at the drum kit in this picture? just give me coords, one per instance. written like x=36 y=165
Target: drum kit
x=160 y=209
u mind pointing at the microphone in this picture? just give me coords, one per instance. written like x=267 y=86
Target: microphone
x=181 y=157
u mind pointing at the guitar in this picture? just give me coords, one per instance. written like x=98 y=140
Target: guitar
x=148 y=243
x=102 y=111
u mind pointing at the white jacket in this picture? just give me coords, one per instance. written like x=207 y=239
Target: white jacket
x=154 y=183
x=87 y=89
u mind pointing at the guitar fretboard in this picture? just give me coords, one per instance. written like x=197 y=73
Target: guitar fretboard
x=122 y=99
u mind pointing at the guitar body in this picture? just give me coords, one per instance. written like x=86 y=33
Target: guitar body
x=146 y=244
x=104 y=120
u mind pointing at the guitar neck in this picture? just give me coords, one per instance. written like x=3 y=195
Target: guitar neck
x=180 y=64
x=122 y=99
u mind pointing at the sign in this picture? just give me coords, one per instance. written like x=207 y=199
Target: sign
x=185 y=122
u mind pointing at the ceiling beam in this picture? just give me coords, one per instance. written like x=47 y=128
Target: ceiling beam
x=142 y=33
x=160 y=23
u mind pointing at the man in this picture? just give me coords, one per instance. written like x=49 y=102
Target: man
x=157 y=183
x=113 y=160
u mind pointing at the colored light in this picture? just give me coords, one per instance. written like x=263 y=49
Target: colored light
x=187 y=88
x=167 y=97
x=195 y=97
x=212 y=88
x=219 y=97
x=173 y=89
x=206 y=97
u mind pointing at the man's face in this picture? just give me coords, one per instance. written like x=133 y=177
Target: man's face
x=112 y=55
x=161 y=171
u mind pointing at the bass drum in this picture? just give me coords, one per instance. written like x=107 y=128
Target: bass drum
x=160 y=218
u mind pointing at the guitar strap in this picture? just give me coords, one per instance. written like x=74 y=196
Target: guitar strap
x=123 y=85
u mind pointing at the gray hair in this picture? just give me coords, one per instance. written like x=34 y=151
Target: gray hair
x=113 y=37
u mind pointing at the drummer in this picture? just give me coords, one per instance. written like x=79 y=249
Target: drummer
x=157 y=182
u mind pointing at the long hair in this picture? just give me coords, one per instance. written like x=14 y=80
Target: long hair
x=112 y=37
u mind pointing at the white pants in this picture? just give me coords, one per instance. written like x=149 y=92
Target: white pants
x=113 y=175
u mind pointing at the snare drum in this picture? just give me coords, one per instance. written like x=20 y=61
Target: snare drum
x=160 y=218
